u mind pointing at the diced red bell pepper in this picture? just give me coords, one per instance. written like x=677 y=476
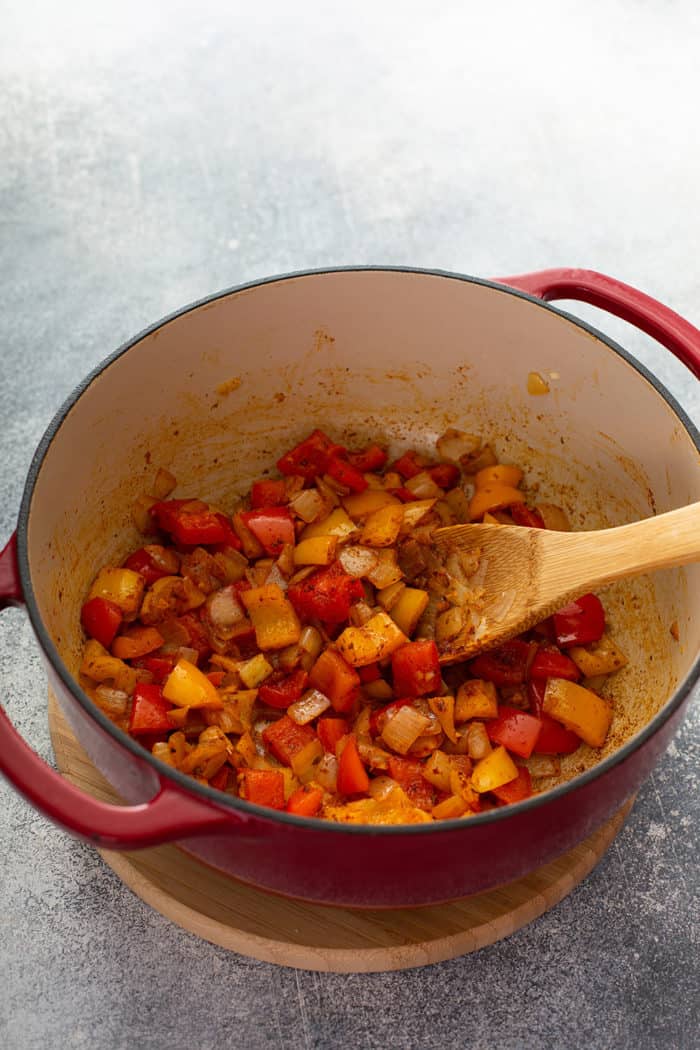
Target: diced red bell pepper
x=405 y=495
x=516 y=730
x=280 y=689
x=268 y=492
x=271 y=526
x=142 y=562
x=305 y=801
x=416 y=668
x=381 y=715
x=188 y=526
x=231 y=539
x=310 y=457
x=101 y=619
x=579 y=622
x=410 y=464
x=527 y=516
x=326 y=595
x=149 y=710
x=352 y=775
x=444 y=474
x=159 y=666
x=333 y=676
x=407 y=772
x=264 y=787
x=371 y=458
x=550 y=663
x=330 y=731
x=216 y=677
x=554 y=739
x=345 y=474
x=506 y=665
x=515 y=790
x=370 y=673
x=284 y=739
x=220 y=779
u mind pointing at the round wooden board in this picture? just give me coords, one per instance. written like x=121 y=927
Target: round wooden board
x=294 y=933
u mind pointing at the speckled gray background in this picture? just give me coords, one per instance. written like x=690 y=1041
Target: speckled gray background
x=151 y=153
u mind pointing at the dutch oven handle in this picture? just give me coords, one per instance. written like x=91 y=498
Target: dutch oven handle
x=587 y=286
x=169 y=815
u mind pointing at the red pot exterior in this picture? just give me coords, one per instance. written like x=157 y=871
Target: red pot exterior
x=331 y=865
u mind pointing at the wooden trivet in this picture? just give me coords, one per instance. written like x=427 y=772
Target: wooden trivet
x=274 y=929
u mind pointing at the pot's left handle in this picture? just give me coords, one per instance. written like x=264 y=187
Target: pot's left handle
x=170 y=815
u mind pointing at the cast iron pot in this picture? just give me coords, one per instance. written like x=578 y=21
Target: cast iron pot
x=216 y=391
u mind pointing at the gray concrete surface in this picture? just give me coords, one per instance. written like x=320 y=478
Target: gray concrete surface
x=152 y=153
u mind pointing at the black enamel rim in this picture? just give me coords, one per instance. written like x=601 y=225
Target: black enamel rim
x=238 y=805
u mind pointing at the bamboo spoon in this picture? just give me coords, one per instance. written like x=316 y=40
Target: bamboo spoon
x=527 y=574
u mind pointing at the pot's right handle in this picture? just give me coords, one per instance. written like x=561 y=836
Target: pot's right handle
x=172 y=814
x=587 y=286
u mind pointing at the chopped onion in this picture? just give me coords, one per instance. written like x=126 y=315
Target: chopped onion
x=454 y=444
x=478 y=743
x=310 y=641
x=164 y=483
x=290 y=657
x=423 y=487
x=358 y=561
x=112 y=701
x=312 y=704
x=327 y=773
x=276 y=576
x=401 y=731
x=386 y=789
x=360 y=613
x=308 y=505
x=449 y=624
x=224 y=609
x=414 y=512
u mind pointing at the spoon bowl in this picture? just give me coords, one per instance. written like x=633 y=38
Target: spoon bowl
x=525 y=574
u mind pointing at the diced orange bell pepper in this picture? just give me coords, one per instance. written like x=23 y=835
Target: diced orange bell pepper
x=305 y=801
x=275 y=622
x=284 y=739
x=352 y=775
x=187 y=686
x=336 y=679
x=265 y=787
x=492 y=497
x=500 y=474
x=135 y=642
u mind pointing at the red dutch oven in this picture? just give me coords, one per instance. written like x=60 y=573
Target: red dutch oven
x=216 y=391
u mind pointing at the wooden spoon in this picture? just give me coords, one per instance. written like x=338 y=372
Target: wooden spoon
x=527 y=574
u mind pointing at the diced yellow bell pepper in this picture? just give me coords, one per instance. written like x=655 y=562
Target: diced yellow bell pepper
x=273 y=617
x=601 y=657
x=360 y=504
x=578 y=709
x=449 y=808
x=255 y=671
x=491 y=497
x=377 y=638
x=124 y=587
x=382 y=526
x=437 y=769
x=496 y=769
x=476 y=699
x=186 y=686
x=501 y=474
x=315 y=550
x=337 y=524
x=409 y=608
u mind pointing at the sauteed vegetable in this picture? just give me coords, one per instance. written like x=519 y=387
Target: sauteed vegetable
x=289 y=652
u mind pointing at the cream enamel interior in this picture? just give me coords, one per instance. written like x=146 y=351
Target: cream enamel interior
x=216 y=394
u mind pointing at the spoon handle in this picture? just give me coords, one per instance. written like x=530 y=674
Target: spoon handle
x=661 y=542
